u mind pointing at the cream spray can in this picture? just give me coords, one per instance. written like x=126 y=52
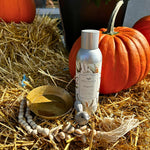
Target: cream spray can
x=88 y=71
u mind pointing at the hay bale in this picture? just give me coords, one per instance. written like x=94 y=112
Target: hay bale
x=27 y=48
x=37 y=51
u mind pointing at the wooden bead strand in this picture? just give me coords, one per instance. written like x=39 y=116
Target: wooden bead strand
x=32 y=124
x=67 y=131
x=58 y=133
x=21 y=119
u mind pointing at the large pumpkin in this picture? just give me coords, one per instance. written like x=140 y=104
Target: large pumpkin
x=126 y=56
x=17 y=10
x=143 y=25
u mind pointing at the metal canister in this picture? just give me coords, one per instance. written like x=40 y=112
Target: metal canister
x=88 y=70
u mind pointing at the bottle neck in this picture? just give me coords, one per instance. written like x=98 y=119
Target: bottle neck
x=89 y=39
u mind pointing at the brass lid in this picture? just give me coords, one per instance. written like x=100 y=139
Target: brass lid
x=50 y=102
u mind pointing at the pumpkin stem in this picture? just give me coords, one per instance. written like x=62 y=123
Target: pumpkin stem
x=110 y=28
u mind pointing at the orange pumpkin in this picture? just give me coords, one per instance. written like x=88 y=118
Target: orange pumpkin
x=125 y=53
x=17 y=10
x=143 y=25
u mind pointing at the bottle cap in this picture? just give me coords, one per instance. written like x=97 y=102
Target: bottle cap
x=89 y=39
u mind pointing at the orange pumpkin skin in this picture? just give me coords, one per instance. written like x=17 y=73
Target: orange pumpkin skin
x=17 y=10
x=143 y=25
x=126 y=59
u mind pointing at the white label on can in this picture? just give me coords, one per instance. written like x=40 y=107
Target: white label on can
x=88 y=84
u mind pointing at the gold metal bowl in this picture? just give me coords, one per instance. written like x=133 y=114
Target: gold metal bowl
x=50 y=102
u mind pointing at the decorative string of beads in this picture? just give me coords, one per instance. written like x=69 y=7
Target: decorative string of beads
x=67 y=131
x=58 y=133
x=21 y=119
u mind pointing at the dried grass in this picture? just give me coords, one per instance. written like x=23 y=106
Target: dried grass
x=36 y=50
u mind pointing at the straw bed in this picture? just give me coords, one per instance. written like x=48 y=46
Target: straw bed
x=36 y=50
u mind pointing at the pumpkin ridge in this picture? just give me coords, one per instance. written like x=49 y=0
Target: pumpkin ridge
x=146 y=48
x=139 y=49
x=1 y=11
x=105 y=37
x=123 y=30
x=9 y=11
x=133 y=58
x=107 y=66
x=101 y=36
x=141 y=27
x=121 y=62
x=19 y=10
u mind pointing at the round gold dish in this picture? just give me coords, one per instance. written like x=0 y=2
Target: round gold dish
x=50 y=102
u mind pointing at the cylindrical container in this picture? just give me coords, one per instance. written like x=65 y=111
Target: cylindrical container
x=88 y=70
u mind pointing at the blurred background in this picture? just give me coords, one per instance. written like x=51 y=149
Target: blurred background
x=136 y=9
x=46 y=3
